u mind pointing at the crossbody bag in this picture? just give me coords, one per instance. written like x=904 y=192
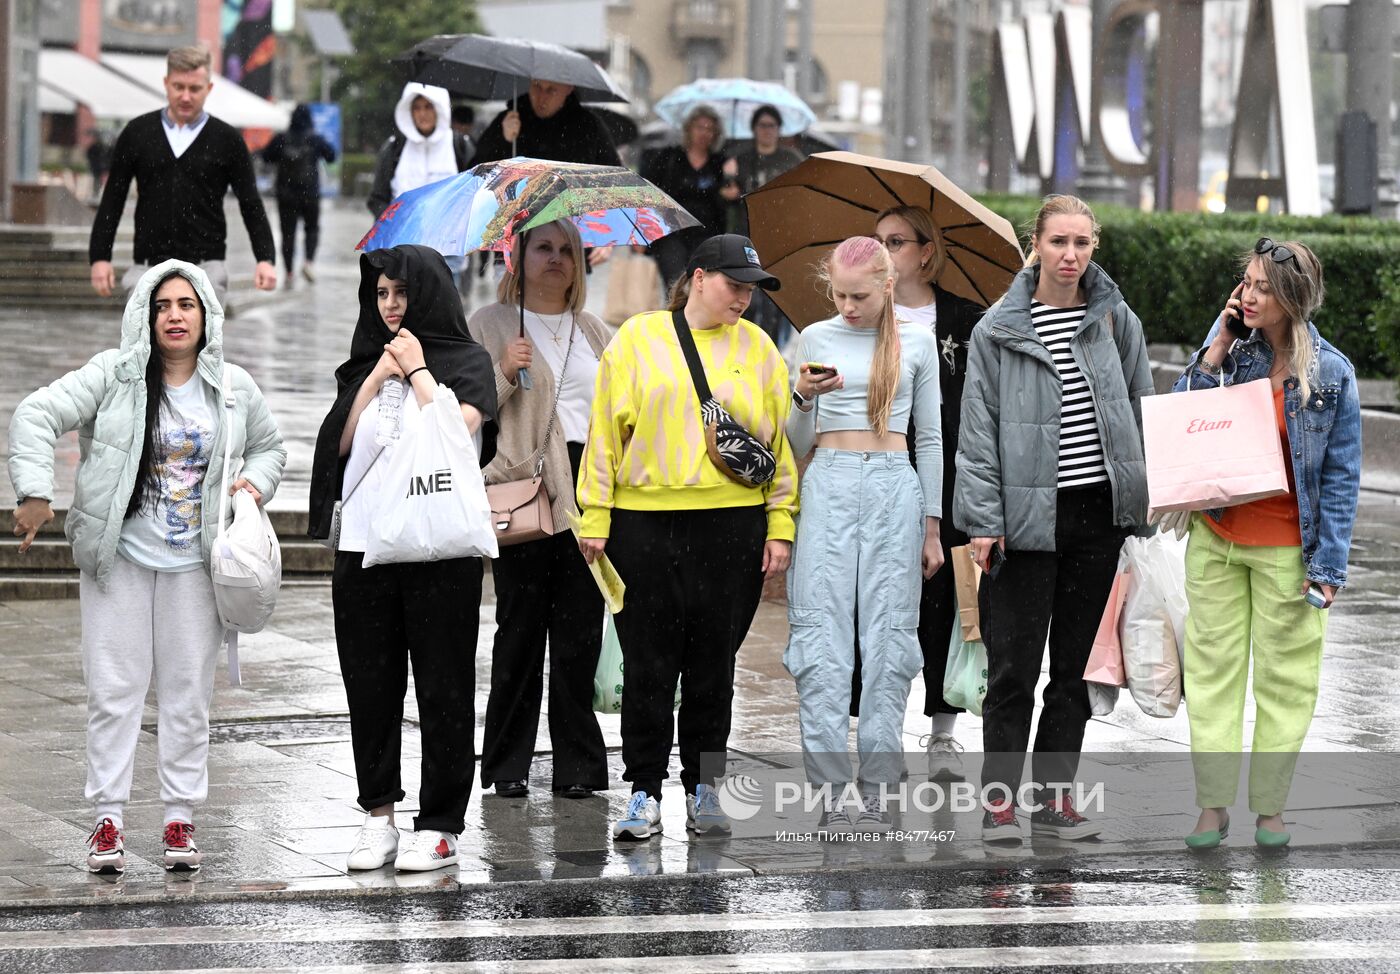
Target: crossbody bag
x=739 y=455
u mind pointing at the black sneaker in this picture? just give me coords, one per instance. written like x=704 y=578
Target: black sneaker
x=1058 y=818
x=999 y=824
x=872 y=816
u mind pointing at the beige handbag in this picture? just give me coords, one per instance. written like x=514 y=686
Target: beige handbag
x=520 y=509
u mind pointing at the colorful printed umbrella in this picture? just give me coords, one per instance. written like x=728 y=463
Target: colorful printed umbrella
x=484 y=207
x=736 y=100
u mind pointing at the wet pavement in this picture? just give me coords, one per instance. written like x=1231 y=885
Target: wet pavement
x=281 y=813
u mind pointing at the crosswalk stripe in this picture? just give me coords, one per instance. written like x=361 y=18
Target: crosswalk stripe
x=683 y=923
x=1103 y=955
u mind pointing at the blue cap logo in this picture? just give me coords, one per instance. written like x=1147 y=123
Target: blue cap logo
x=752 y=255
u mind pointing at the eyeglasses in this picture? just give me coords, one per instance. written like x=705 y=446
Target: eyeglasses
x=894 y=244
x=1278 y=253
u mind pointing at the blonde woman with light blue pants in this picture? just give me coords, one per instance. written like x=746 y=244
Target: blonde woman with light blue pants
x=869 y=525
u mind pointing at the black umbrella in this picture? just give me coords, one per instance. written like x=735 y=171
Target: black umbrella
x=622 y=128
x=477 y=66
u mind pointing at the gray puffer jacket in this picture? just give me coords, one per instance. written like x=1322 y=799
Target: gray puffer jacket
x=105 y=401
x=1009 y=446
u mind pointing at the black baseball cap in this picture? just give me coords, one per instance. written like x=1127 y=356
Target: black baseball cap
x=734 y=256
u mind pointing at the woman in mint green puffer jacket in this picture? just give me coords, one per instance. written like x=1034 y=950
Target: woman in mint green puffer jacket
x=152 y=418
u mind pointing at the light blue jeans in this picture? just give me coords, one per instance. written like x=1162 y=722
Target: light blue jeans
x=859 y=539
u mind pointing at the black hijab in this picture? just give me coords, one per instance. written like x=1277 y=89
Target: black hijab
x=434 y=316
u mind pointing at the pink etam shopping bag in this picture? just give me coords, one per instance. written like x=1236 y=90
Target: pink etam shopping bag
x=1210 y=448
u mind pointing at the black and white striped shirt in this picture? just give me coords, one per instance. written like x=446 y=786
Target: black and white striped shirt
x=1081 y=451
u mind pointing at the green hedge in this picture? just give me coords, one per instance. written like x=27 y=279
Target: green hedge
x=1177 y=269
x=351 y=165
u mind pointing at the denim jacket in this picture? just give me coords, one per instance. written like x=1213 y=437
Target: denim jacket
x=1324 y=441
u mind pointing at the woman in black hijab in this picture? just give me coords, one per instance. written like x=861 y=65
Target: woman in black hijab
x=411 y=336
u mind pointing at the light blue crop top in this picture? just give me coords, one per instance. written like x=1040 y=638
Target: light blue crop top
x=833 y=342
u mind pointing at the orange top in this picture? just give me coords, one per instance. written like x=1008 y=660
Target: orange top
x=1272 y=521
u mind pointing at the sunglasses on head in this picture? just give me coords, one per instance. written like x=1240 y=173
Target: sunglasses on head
x=1278 y=253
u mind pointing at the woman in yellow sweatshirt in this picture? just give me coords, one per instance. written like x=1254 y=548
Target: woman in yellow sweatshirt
x=692 y=544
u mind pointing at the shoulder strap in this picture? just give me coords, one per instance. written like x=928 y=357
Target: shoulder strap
x=692 y=356
x=461 y=150
x=228 y=446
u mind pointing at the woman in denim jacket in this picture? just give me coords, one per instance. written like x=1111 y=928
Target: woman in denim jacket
x=1249 y=567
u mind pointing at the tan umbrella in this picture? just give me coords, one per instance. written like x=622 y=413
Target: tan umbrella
x=796 y=219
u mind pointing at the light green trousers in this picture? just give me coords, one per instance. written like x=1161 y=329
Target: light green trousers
x=1248 y=602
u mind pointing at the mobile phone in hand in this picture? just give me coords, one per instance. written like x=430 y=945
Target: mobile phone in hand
x=817 y=370
x=1315 y=596
x=1236 y=326
x=995 y=560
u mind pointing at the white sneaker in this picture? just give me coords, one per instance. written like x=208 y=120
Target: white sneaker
x=944 y=757
x=377 y=843
x=641 y=821
x=427 y=850
x=308 y=271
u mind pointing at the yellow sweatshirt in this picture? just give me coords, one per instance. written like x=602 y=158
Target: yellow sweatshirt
x=646 y=446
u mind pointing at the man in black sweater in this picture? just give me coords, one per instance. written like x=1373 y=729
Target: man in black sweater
x=183 y=161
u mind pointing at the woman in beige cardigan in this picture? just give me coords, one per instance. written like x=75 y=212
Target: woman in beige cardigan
x=544 y=592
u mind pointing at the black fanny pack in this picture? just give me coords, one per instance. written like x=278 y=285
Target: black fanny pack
x=740 y=455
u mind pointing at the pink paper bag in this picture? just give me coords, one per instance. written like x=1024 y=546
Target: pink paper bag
x=1106 y=657
x=1211 y=448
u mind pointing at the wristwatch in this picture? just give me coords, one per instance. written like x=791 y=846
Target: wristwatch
x=799 y=400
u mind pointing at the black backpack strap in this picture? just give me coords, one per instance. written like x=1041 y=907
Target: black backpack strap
x=462 y=149
x=692 y=356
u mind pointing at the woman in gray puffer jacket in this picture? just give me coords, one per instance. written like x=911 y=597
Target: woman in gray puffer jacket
x=1050 y=479
x=152 y=417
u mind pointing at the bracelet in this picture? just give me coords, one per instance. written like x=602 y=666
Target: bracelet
x=409 y=377
x=1207 y=368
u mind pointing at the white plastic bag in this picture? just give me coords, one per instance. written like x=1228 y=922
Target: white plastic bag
x=434 y=503
x=1152 y=625
x=1102 y=698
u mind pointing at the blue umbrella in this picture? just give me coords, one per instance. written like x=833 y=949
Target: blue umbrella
x=735 y=99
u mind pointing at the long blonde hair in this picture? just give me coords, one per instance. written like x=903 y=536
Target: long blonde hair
x=508 y=291
x=1060 y=205
x=921 y=222
x=1297 y=287
x=862 y=253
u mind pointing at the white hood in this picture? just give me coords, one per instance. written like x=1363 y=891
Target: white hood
x=403 y=112
x=427 y=159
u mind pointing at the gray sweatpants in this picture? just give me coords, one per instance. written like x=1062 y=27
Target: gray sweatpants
x=859 y=539
x=149 y=623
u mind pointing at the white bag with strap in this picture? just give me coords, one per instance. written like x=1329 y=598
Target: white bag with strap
x=246 y=563
x=434 y=504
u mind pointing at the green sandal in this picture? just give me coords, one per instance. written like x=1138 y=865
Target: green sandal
x=1210 y=839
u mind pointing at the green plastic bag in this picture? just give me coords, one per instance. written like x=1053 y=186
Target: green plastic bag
x=965 y=680
x=607 y=678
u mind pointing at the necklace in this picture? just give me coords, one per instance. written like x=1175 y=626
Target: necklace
x=556 y=334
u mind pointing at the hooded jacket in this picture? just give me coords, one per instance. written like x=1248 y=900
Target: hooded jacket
x=409 y=159
x=105 y=401
x=296 y=153
x=572 y=134
x=434 y=316
x=1009 y=441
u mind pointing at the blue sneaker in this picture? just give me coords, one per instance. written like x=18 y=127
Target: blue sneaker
x=642 y=821
x=703 y=814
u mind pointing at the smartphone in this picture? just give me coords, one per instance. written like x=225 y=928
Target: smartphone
x=817 y=369
x=1315 y=597
x=1237 y=327
x=995 y=560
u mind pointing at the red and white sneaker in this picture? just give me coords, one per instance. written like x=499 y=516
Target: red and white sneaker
x=181 y=854
x=427 y=850
x=106 y=849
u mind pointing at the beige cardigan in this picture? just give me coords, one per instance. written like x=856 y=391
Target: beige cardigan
x=521 y=418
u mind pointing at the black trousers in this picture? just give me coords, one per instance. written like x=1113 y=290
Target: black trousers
x=386 y=616
x=1062 y=592
x=290 y=209
x=545 y=594
x=694 y=580
x=938 y=613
